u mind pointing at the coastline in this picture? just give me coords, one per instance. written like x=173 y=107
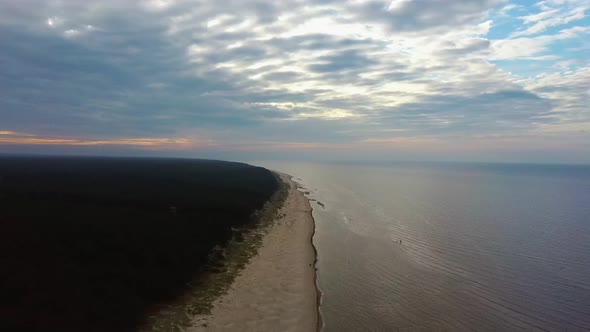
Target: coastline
x=319 y=318
x=277 y=289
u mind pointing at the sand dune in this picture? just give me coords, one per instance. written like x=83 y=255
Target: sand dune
x=276 y=291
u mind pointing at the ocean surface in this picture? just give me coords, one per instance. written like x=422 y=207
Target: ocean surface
x=484 y=247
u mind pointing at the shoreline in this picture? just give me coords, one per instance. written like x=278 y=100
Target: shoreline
x=289 y=179
x=319 y=294
x=278 y=287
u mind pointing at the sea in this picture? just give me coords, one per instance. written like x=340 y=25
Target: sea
x=450 y=246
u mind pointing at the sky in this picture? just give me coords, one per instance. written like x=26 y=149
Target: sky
x=480 y=80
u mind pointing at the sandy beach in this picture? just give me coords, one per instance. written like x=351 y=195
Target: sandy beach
x=276 y=291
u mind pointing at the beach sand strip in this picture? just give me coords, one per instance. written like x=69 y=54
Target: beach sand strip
x=276 y=291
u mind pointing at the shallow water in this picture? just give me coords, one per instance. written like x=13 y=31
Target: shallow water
x=483 y=247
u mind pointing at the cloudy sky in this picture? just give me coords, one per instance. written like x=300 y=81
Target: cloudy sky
x=485 y=80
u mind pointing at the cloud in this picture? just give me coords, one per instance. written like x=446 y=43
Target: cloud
x=529 y=47
x=143 y=142
x=571 y=92
x=15 y=138
x=344 y=61
x=307 y=72
x=467 y=46
x=413 y=16
x=552 y=14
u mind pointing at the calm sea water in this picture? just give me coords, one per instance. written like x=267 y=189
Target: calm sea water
x=483 y=247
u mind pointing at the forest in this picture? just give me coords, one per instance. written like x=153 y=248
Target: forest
x=91 y=244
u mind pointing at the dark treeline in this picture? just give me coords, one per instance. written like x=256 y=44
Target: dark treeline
x=91 y=244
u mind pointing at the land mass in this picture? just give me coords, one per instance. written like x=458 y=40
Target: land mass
x=95 y=244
